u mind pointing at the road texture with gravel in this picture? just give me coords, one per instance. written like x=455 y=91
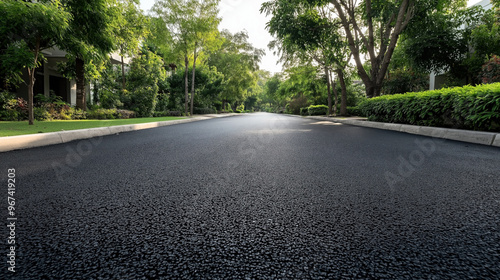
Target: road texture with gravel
x=257 y=196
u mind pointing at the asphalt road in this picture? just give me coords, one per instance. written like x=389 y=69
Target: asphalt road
x=257 y=196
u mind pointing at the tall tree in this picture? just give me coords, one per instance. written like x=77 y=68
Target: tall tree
x=130 y=27
x=457 y=40
x=31 y=28
x=307 y=32
x=178 y=17
x=90 y=37
x=373 y=27
x=205 y=34
x=237 y=59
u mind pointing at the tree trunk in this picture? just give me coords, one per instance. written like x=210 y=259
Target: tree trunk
x=192 y=81
x=123 y=73
x=373 y=90
x=335 y=92
x=327 y=73
x=379 y=63
x=186 y=84
x=31 y=114
x=31 y=74
x=343 y=100
x=80 y=84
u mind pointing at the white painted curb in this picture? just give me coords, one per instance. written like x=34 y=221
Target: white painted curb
x=12 y=143
x=496 y=141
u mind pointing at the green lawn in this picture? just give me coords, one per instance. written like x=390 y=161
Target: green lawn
x=20 y=128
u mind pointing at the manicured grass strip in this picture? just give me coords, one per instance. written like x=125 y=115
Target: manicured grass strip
x=21 y=128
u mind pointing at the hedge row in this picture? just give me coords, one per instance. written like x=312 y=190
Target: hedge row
x=314 y=110
x=468 y=107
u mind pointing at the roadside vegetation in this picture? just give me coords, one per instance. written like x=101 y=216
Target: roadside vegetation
x=468 y=107
x=338 y=59
x=174 y=61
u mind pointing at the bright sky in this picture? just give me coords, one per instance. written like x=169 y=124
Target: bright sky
x=238 y=15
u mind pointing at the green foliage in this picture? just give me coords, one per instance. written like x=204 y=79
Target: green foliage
x=53 y=108
x=405 y=80
x=109 y=114
x=13 y=109
x=296 y=104
x=317 y=110
x=204 y=111
x=107 y=88
x=27 y=28
x=102 y=114
x=41 y=114
x=129 y=26
x=354 y=111
x=208 y=82
x=491 y=71
x=443 y=41
x=168 y=114
x=466 y=107
x=304 y=111
x=47 y=108
x=237 y=60
x=146 y=71
x=240 y=108
x=91 y=28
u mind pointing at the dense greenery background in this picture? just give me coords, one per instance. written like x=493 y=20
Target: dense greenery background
x=180 y=63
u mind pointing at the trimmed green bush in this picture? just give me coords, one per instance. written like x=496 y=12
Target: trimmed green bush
x=168 y=114
x=317 y=110
x=466 y=107
x=12 y=108
x=102 y=114
x=204 y=111
x=354 y=111
x=125 y=114
x=304 y=111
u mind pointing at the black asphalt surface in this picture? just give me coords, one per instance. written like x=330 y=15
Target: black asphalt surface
x=258 y=196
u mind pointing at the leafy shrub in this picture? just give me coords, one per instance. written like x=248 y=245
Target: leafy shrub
x=146 y=71
x=102 y=114
x=71 y=113
x=9 y=115
x=109 y=98
x=167 y=114
x=5 y=97
x=240 y=108
x=354 y=111
x=304 y=111
x=317 y=110
x=204 y=111
x=491 y=71
x=297 y=102
x=14 y=109
x=466 y=107
x=41 y=114
x=125 y=114
x=403 y=80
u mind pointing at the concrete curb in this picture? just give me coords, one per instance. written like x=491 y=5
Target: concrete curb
x=12 y=143
x=469 y=136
